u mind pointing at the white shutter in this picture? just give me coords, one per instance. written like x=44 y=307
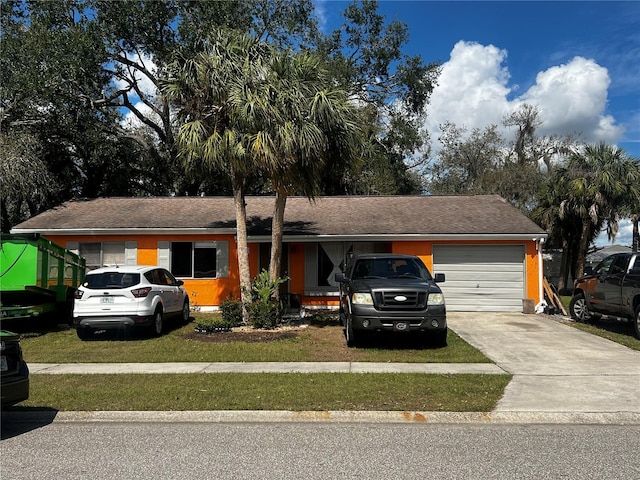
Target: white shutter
x=74 y=247
x=164 y=255
x=131 y=253
x=222 y=259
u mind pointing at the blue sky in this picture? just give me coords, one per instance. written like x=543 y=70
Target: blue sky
x=578 y=61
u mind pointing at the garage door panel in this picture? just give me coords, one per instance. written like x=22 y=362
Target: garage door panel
x=481 y=277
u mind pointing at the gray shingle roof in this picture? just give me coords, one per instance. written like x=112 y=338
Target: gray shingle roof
x=335 y=216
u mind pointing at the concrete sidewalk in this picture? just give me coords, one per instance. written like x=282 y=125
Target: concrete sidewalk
x=266 y=367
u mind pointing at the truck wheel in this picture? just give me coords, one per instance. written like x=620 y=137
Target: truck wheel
x=440 y=338
x=349 y=333
x=636 y=322
x=578 y=308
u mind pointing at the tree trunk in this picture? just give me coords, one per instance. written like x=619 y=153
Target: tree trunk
x=564 y=265
x=635 y=218
x=583 y=246
x=277 y=232
x=243 y=248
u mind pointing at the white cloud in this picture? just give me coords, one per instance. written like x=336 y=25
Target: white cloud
x=146 y=86
x=624 y=236
x=473 y=90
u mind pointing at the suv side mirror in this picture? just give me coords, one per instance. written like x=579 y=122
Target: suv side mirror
x=340 y=278
x=439 y=278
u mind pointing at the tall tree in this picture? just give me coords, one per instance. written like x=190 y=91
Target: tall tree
x=365 y=57
x=209 y=93
x=601 y=178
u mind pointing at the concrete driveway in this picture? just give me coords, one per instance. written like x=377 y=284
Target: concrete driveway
x=555 y=367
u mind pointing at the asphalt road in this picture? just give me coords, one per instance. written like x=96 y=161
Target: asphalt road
x=142 y=450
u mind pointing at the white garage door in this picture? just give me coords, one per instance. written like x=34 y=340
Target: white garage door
x=481 y=278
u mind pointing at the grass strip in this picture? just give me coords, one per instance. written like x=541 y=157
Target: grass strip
x=266 y=391
x=311 y=344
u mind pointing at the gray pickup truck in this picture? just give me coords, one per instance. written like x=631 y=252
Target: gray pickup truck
x=611 y=290
x=391 y=293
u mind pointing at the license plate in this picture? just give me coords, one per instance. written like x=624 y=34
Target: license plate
x=3 y=364
x=401 y=326
x=106 y=300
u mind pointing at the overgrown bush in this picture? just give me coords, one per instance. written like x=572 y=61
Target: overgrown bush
x=265 y=311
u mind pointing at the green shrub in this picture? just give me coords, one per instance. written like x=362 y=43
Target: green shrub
x=265 y=314
x=231 y=311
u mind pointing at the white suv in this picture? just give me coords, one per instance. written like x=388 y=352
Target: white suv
x=127 y=297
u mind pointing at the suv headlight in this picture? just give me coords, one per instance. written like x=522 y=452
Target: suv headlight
x=362 y=299
x=435 y=299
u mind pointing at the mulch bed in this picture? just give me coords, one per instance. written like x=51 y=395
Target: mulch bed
x=249 y=336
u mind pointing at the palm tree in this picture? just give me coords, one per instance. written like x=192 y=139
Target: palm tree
x=601 y=178
x=299 y=121
x=208 y=91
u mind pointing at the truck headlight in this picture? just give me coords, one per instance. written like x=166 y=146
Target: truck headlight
x=436 y=299
x=362 y=299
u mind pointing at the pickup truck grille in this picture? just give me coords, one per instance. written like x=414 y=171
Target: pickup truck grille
x=393 y=300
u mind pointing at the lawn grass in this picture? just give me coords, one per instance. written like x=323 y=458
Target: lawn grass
x=619 y=332
x=266 y=391
x=322 y=340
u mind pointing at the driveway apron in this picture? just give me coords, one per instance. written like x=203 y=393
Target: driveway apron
x=555 y=367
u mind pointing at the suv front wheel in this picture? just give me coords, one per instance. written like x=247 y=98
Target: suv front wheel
x=157 y=325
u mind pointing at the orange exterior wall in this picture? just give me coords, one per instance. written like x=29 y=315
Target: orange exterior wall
x=211 y=292
x=202 y=292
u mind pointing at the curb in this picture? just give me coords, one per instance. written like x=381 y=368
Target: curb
x=286 y=416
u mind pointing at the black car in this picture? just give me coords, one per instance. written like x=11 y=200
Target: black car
x=391 y=293
x=14 y=374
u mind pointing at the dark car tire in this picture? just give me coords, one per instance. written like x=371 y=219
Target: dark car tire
x=578 y=308
x=350 y=334
x=157 y=325
x=84 y=333
x=636 y=322
x=440 y=338
x=186 y=312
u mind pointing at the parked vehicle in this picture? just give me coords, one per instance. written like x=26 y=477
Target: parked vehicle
x=391 y=293
x=611 y=290
x=14 y=372
x=37 y=278
x=128 y=297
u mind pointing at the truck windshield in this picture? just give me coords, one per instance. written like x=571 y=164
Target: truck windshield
x=111 y=280
x=390 y=268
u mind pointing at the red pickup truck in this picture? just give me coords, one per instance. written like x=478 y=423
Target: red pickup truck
x=611 y=290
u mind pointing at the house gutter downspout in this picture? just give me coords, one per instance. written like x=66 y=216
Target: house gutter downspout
x=539 y=243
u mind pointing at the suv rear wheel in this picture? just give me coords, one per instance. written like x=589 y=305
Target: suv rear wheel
x=636 y=322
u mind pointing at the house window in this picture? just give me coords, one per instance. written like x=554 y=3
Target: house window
x=324 y=260
x=194 y=259
x=98 y=254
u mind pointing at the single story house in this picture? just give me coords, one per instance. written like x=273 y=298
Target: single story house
x=489 y=251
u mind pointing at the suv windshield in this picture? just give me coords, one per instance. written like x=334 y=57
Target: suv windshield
x=390 y=268
x=111 y=280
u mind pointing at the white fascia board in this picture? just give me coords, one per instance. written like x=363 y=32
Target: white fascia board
x=389 y=237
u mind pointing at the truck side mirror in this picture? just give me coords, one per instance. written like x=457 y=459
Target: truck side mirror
x=588 y=270
x=340 y=278
x=439 y=278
